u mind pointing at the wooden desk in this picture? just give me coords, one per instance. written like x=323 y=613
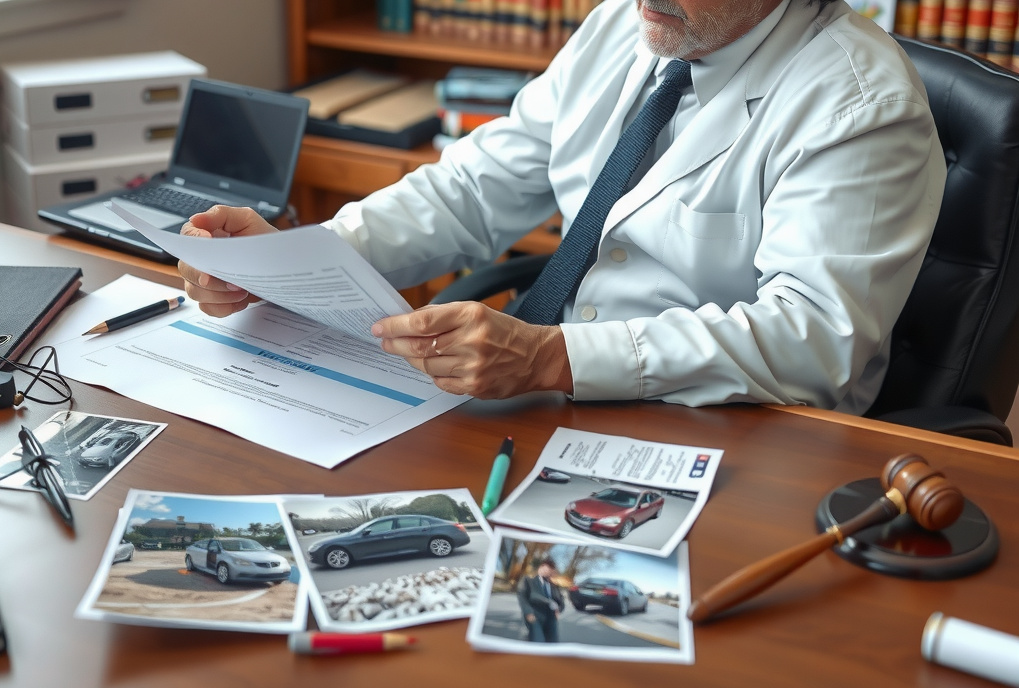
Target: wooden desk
x=830 y=624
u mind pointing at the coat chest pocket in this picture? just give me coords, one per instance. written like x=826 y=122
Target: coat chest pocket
x=705 y=258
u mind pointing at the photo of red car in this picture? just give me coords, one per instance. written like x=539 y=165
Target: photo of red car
x=615 y=511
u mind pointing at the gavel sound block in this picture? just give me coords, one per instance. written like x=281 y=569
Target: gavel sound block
x=930 y=529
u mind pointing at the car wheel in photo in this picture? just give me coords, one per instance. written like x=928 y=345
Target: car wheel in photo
x=624 y=606
x=338 y=558
x=188 y=564
x=625 y=529
x=658 y=513
x=223 y=573
x=440 y=547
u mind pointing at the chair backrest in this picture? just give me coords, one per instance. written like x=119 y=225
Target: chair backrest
x=957 y=340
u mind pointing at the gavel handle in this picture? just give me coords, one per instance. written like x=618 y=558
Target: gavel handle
x=761 y=575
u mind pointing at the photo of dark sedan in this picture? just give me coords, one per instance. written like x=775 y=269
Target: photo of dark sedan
x=615 y=511
x=610 y=594
x=389 y=536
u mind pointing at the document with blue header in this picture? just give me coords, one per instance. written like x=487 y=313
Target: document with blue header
x=299 y=373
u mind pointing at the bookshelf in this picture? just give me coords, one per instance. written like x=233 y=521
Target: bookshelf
x=326 y=37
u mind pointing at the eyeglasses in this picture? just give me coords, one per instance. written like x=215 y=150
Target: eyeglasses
x=43 y=469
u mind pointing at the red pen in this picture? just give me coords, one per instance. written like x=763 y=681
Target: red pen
x=316 y=643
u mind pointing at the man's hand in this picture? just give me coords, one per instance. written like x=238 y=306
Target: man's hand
x=214 y=296
x=469 y=348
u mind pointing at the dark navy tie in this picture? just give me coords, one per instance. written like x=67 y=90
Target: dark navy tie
x=543 y=304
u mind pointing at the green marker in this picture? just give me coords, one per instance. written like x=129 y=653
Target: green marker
x=497 y=478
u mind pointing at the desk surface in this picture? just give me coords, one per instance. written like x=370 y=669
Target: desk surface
x=829 y=624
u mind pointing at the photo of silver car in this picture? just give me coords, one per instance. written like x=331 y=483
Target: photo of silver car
x=109 y=450
x=236 y=559
x=124 y=552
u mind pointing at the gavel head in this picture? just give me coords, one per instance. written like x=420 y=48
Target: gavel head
x=931 y=500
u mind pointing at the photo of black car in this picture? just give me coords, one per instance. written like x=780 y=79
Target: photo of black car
x=389 y=536
x=612 y=595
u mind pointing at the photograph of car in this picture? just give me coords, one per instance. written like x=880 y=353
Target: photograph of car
x=124 y=552
x=232 y=559
x=389 y=536
x=549 y=476
x=612 y=595
x=614 y=511
x=108 y=450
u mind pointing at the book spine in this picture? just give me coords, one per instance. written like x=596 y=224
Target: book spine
x=487 y=21
x=539 y=23
x=503 y=20
x=1001 y=36
x=905 y=18
x=569 y=19
x=520 y=25
x=953 y=22
x=555 y=23
x=403 y=15
x=928 y=19
x=1015 y=51
x=978 y=26
x=422 y=15
x=384 y=14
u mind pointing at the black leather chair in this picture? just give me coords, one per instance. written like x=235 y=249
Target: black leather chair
x=955 y=347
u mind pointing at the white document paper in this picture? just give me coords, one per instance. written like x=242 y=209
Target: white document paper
x=626 y=493
x=267 y=375
x=309 y=270
x=307 y=379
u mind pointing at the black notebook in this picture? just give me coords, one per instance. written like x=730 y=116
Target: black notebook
x=30 y=297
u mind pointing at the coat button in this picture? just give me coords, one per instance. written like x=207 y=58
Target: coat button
x=618 y=254
x=588 y=313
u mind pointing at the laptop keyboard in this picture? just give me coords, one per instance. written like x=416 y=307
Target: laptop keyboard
x=174 y=201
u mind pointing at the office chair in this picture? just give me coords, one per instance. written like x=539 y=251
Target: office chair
x=955 y=347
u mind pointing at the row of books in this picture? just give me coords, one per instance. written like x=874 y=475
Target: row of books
x=988 y=28
x=471 y=96
x=530 y=23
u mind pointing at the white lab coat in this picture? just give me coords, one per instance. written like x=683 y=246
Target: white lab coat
x=764 y=257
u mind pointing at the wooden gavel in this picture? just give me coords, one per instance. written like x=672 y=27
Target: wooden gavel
x=911 y=486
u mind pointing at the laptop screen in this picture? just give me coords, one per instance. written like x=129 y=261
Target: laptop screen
x=239 y=139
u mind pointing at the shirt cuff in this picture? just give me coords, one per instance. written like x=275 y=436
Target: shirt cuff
x=348 y=224
x=604 y=361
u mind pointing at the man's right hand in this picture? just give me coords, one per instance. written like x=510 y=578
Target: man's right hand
x=214 y=296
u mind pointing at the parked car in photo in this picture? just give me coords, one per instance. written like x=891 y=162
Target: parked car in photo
x=549 y=476
x=149 y=544
x=615 y=511
x=124 y=552
x=109 y=450
x=236 y=559
x=389 y=536
x=612 y=595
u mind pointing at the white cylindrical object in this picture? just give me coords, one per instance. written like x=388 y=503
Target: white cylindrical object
x=971 y=648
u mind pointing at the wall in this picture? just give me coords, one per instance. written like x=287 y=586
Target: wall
x=243 y=41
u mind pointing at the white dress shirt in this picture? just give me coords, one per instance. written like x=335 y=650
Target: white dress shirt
x=763 y=257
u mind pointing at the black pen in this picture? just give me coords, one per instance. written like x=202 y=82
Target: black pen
x=133 y=317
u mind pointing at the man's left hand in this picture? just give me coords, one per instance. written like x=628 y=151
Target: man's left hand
x=469 y=348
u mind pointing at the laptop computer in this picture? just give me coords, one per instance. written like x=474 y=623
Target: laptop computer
x=235 y=145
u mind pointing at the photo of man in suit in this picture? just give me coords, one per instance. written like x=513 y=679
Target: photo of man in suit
x=541 y=602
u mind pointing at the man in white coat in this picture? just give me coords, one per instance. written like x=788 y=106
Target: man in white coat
x=763 y=255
